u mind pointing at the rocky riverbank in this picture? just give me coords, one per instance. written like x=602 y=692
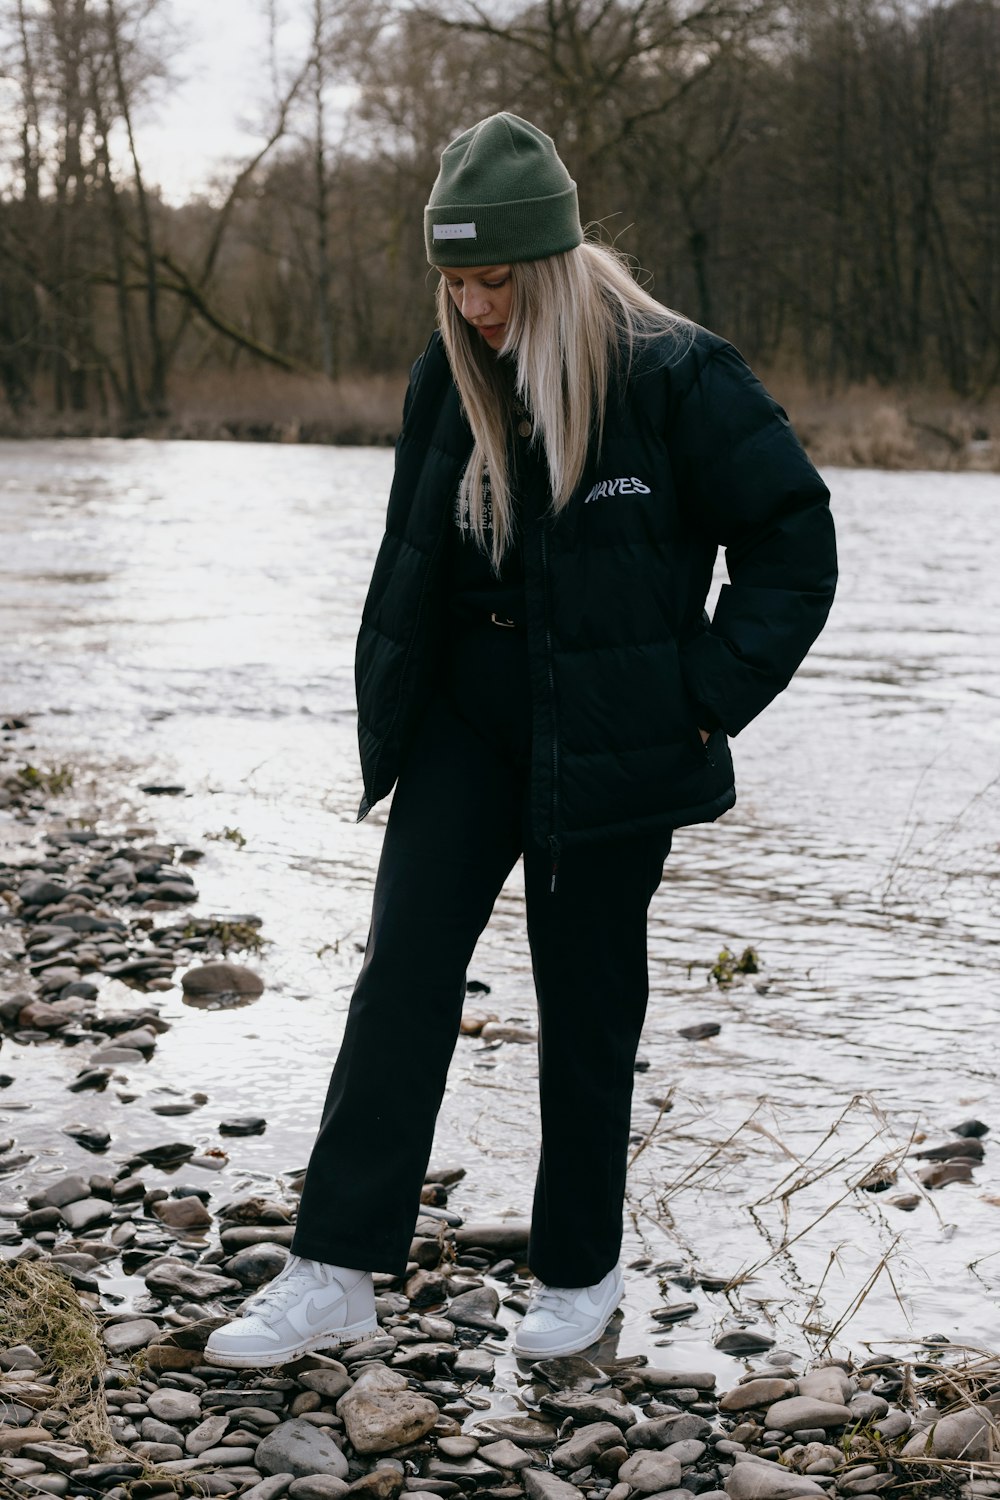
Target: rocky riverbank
x=113 y=1279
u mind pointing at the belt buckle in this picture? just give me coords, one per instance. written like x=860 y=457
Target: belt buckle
x=504 y=624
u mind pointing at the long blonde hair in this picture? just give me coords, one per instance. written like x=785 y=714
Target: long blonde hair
x=575 y=319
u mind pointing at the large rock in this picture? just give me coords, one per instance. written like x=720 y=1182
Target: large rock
x=299 y=1448
x=967 y=1434
x=765 y=1481
x=476 y=1309
x=176 y=1276
x=828 y=1383
x=135 y=1333
x=541 y=1484
x=650 y=1472
x=662 y=1431
x=183 y=1213
x=806 y=1411
x=762 y=1392
x=209 y=981
x=85 y=1213
x=380 y=1412
x=173 y=1406
x=501 y=1239
x=585 y=1444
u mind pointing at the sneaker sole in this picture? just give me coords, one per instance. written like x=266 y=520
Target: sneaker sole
x=575 y=1346
x=358 y=1334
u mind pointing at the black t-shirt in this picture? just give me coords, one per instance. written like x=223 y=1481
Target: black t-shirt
x=475 y=591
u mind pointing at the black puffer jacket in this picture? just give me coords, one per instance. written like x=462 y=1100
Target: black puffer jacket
x=625 y=663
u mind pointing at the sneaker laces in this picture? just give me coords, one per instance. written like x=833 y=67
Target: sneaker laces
x=284 y=1289
x=553 y=1299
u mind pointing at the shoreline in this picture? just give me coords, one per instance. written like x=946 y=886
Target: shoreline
x=105 y=1391
x=861 y=426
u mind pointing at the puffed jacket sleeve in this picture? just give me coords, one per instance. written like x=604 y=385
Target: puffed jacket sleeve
x=744 y=480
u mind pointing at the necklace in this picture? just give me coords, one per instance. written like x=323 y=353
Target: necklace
x=524 y=427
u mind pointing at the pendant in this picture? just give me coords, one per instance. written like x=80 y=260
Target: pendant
x=524 y=428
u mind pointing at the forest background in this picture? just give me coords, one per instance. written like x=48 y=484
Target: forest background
x=817 y=181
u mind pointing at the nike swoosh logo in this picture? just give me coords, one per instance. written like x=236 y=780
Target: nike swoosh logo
x=316 y=1310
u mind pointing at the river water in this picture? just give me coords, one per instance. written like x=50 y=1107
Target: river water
x=187 y=613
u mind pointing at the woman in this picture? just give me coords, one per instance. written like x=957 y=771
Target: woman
x=536 y=670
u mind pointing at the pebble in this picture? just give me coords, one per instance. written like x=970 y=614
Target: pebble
x=541 y=1484
x=505 y=1455
x=299 y=1448
x=317 y=1487
x=762 y=1392
x=585 y=1444
x=173 y=1406
x=215 y=980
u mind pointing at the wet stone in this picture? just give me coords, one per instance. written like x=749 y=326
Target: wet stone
x=215 y=979
x=297 y=1447
x=743 y=1341
x=243 y=1125
x=380 y=1412
x=85 y=1213
x=797 y=1413
x=125 y=1338
x=602 y=1406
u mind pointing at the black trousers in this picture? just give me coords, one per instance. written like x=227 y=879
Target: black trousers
x=458 y=822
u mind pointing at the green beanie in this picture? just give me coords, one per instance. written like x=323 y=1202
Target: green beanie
x=502 y=195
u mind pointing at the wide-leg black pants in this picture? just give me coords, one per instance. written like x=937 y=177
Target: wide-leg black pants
x=458 y=822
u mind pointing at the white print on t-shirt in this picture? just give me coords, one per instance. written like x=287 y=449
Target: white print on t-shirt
x=608 y=487
x=463 y=517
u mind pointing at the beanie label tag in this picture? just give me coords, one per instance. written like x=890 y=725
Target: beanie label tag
x=454 y=231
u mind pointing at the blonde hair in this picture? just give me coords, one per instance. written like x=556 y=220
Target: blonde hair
x=575 y=320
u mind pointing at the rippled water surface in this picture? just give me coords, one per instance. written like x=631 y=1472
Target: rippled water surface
x=187 y=612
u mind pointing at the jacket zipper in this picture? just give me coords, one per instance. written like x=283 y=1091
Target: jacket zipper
x=553 y=840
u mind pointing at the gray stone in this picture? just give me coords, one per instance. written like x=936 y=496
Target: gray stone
x=124 y=1338
x=760 y=1480
x=183 y=1213
x=527 y=1430
x=176 y=1276
x=806 y=1411
x=207 y=1434
x=894 y=1424
x=269 y=1489
x=330 y=1382
x=257 y=1263
x=215 y=979
x=66 y=1190
x=866 y=1407
x=154 y=1431
x=583 y=1406
x=505 y=1455
x=541 y=1484
x=571 y=1372
x=584 y=1445
x=743 y=1341
x=662 y=1431
x=380 y=1412
x=157 y=1453
x=673 y=1380
x=56 y=1455
x=968 y=1434
x=650 y=1472
x=173 y=1406
x=458 y=1447
x=476 y=1309
x=318 y=1487
x=474 y=1364
x=471 y=1472
x=224 y=1457
x=299 y=1448
x=687 y=1451
x=828 y=1383
x=85 y=1213
x=762 y=1392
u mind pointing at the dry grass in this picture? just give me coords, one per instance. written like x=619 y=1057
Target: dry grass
x=872 y=426
x=39 y=1307
x=863 y=425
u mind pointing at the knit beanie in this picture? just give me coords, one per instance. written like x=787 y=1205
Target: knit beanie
x=502 y=195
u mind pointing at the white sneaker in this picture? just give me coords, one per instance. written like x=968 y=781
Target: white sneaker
x=308 y=1305
x=564 y=1320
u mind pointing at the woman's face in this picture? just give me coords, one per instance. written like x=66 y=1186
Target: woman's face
x=482 y=295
